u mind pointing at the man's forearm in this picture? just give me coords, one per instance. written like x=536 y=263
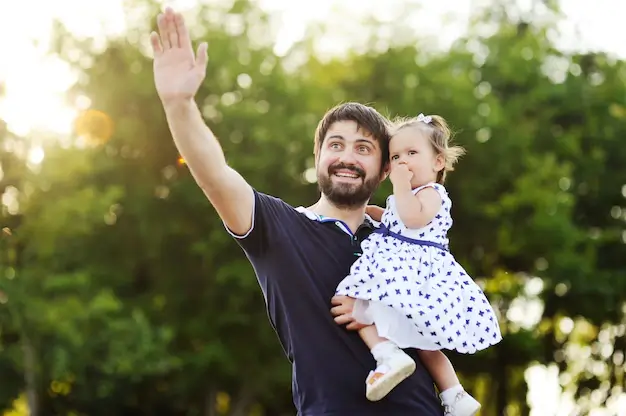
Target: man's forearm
x=227 y=190
x=195 y=142
x=176 y=76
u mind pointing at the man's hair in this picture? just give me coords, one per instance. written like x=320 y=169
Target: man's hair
x=370 y=121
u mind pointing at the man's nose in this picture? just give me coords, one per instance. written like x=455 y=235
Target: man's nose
x=348 y=157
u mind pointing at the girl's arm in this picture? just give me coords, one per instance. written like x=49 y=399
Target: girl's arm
x=416 y=211
x=375 y=212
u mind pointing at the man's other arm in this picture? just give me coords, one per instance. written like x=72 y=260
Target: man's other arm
x=229 y=193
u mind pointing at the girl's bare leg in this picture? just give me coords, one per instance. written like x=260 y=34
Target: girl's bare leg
x=453 y=396
x=370 y=337
x=440 y=369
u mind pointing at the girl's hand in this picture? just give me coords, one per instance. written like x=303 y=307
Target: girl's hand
x=400 y=177
x=375 y=212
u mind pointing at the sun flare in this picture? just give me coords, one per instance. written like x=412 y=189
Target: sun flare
x=33 y=84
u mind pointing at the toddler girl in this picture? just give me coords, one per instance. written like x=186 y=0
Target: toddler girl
x=407 y=285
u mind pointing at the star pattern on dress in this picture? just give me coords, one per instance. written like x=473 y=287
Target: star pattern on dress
x=424 y=285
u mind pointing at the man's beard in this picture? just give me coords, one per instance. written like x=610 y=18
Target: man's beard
x=347 y=195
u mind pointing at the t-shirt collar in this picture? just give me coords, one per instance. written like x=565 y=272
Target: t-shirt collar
x=368 y=222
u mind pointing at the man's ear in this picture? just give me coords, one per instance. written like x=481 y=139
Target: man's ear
x=385 y=171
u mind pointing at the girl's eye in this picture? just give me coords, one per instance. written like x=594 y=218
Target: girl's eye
x=394 y=157
x=334 y=146
x=412 y=152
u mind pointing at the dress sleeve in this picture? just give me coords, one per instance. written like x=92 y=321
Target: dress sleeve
x=437 y=187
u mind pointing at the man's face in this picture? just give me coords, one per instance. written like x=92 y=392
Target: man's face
x=348 y=165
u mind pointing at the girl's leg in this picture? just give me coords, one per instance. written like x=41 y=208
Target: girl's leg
x=382 y=349
x=370 y=336
x=440 y=369
x=456 y=400
x=392 y=364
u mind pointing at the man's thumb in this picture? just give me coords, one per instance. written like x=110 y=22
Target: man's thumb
x=202 y=58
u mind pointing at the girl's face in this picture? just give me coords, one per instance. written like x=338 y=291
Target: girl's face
x=411 y=146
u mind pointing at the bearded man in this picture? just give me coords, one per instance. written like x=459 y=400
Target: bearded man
x=299 y=254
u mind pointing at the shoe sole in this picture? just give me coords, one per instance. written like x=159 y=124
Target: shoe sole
x=475 y=412
x=390 y=383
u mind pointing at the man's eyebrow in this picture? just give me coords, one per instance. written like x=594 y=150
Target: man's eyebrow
x=368 y=141
x=364 y=140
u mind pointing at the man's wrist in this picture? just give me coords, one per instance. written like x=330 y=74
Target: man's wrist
x=177 y=105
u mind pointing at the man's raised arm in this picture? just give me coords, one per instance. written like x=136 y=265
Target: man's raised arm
x=178 y=73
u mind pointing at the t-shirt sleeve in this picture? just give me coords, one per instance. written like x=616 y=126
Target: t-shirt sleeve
x=268 y=214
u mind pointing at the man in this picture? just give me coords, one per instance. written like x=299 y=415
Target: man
x=299 y=256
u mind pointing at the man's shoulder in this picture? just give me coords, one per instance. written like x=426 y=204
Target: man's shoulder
x=272 y=220
x=278 y=211
x=288 y=209
x=267 y=200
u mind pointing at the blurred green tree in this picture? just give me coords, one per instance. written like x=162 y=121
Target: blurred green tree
x=120 y=292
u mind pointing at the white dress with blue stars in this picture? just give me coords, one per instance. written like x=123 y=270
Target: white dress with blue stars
x=418 y=295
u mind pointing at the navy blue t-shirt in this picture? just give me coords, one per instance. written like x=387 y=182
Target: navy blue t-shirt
x=299 y=260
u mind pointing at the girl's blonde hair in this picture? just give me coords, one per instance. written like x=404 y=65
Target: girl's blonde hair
x=440 y=137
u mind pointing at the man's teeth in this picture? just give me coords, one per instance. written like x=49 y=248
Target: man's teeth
x=347 y=175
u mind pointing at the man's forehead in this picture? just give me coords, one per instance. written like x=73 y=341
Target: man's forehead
x=349 y=130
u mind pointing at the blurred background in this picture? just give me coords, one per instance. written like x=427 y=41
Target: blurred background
x=120 y=292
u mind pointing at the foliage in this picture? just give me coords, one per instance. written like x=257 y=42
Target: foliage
x=121 y=292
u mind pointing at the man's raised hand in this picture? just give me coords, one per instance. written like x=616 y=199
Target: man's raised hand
x=178 y=73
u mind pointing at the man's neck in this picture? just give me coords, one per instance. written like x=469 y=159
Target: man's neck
x=353 y=217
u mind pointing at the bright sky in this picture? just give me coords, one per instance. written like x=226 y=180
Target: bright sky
x=34 y=84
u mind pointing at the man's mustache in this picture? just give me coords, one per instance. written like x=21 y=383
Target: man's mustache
x=342 y=166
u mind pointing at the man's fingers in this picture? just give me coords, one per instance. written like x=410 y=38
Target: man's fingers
x=202 y=58
x=355 y=326
x=155 y=42
x=184 y=41
x=352 y=325
x=338 y=299
x=173 y=33
x=343 y=319
x=170 y=27
x=339 y=310
x=162 y=26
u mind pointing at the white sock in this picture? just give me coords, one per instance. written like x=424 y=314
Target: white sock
x=448 y=396
x=382 y=350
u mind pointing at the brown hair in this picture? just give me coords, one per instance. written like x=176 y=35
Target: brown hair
x=365 y=117
x=440 y=137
